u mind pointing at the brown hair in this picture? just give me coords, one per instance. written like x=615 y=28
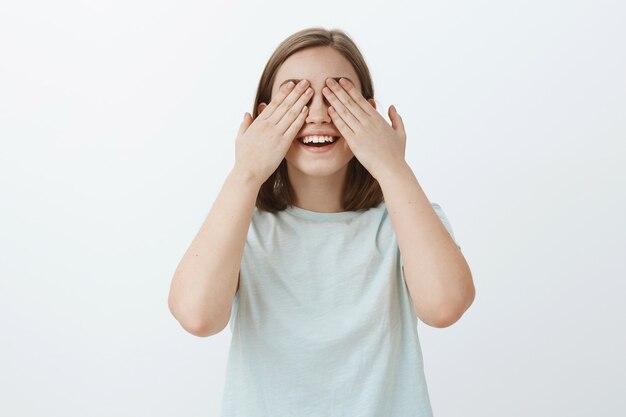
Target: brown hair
x=361 y=191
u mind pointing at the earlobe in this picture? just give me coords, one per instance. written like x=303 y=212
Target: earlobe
x=261 y=107
x=372 y=102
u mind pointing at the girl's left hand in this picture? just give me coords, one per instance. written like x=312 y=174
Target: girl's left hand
x=378 y=146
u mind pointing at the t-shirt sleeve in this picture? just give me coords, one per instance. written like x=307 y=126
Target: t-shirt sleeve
x=233 y=311
x=444 y=219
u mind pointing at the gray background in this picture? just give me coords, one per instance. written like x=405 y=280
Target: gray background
x=118 y=121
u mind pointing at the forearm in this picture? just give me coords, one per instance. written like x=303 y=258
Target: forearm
x=436 y=272
x=205 y=281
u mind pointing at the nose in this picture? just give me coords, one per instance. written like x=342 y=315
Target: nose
x=318 y=109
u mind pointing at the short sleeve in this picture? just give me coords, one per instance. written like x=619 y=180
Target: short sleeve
x=444 y=219
x=233 y=311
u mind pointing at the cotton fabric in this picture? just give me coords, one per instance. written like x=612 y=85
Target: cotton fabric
x=322 y=323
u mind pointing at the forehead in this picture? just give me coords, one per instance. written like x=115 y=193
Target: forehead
x=315 y=64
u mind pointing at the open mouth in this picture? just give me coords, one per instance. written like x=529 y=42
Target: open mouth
x=318 y=144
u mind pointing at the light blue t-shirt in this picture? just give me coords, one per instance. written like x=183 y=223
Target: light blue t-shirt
x=322 y=323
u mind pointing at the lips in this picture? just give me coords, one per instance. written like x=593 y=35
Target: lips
x=301 y=138
x=318 y=149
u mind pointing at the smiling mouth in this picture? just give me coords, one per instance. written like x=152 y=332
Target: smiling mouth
x=318 y=144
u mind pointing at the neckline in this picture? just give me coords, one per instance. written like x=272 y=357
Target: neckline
x=318 y=215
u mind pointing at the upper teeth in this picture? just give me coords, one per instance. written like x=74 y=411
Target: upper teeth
x=317 y=139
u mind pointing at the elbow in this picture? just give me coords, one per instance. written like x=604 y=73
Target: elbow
x=441 y=320
x=199 y=329
x=192 y=323
x=448 y=313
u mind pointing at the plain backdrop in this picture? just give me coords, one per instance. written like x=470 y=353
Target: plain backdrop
x=117 y=127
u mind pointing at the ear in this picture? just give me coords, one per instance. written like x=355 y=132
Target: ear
x=372 y=102
x=261 y=107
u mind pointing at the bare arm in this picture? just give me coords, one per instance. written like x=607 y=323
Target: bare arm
x=436 y=272
x=204 y=284
x=206 y=279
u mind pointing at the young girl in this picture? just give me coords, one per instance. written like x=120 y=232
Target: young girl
x=301 y=250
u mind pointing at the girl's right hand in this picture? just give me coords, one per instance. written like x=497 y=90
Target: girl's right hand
x=262 y=143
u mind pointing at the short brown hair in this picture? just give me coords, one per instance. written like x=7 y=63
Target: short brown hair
x=361 y=191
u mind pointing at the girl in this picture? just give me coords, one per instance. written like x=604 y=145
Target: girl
x=301 y=250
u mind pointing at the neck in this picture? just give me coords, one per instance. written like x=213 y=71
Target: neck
x=320 y=194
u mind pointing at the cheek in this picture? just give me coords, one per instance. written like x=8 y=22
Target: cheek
x=295 y=147
x=345 y=148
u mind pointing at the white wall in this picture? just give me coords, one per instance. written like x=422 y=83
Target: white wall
x=117 y=126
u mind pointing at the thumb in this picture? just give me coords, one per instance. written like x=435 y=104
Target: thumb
x=245 y=123
x=396 y=120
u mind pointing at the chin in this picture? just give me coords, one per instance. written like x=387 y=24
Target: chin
x=320 y=169
x=333 y=163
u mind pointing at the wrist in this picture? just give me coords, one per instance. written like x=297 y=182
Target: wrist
x=245 y=177
x=397 y=171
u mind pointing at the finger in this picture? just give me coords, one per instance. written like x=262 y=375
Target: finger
x=340 y=124
x=351 y=97
x=293 y=130
x=245 y=123
x=340 y=108
x=295 y=110
x=283 y=92
x=289 y=101
x=396 y=120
